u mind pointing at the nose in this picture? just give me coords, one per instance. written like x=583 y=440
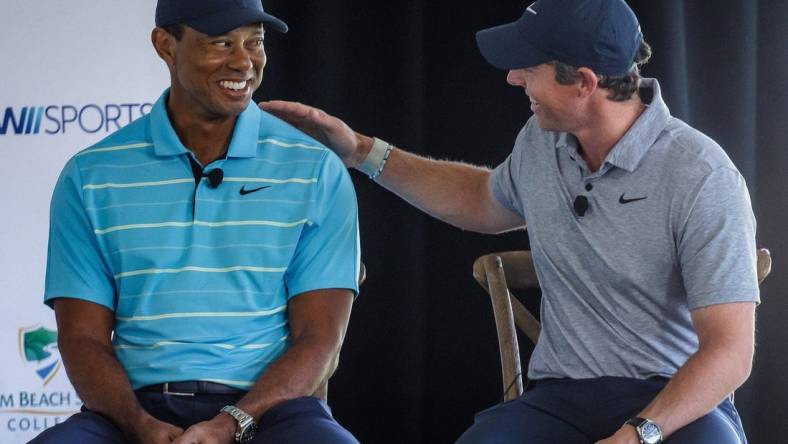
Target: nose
x=241 y=59
x=515 y=78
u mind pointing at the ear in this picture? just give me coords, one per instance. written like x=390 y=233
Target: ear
x=164 y=44
x=588 y=82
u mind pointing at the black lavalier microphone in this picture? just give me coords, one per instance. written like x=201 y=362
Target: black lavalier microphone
x=581 y=205
x=215 y=177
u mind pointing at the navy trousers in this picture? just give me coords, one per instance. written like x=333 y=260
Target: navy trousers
x=298 y=421
x=561 y=411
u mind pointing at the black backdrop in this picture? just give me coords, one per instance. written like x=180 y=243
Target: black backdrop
x=421 y=355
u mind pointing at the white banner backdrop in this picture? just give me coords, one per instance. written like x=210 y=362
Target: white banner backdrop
x=72 y=72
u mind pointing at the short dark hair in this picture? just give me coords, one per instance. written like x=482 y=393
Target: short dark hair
x=622 y=87
x=176 y=30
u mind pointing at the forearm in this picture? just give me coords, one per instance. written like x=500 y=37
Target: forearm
x=299 y=372
x=698 y=387
x=101 y=382
x=453 y=192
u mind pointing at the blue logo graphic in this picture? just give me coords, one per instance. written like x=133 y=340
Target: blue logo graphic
x=59 y=119
x=28 y=121
x=38 y=348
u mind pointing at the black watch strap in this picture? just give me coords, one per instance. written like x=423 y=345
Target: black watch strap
x=648 y=432
x=636 y=421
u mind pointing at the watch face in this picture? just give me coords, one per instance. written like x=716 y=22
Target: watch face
x=247 y=433
x=649 y=433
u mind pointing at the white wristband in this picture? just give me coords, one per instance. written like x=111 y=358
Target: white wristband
x=373 y=165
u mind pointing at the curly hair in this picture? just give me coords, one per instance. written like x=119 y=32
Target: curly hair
x=622 y=87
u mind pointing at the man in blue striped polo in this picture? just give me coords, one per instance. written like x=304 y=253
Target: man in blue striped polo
x=203 y=260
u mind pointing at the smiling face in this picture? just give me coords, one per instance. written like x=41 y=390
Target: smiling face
x=556 y=107
x=213 y=77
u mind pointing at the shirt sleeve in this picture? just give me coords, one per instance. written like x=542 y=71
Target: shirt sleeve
x=328 y=251
x=75 y=265
x=506 y=177
x=716 y=246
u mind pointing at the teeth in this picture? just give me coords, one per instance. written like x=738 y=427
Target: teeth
x=236 y=86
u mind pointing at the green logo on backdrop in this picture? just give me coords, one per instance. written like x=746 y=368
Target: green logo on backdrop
x=38 y=347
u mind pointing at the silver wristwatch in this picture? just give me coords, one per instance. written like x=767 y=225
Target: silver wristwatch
x=246 y=425
x=648 y=431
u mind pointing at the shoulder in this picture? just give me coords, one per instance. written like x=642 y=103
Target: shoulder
x=276 y=129
x=278 y=133
x=692 y=150
x=133 y=137
x=683 y=159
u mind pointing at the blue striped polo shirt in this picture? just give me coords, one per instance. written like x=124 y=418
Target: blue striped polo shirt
x=199 y=278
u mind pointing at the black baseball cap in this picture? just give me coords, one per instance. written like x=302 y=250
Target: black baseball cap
x=215 y=17
x=603 y=35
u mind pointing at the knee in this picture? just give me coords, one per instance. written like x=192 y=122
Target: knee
x=500 y=424
x=84 y=428
x=715 y=428
x=300 y=421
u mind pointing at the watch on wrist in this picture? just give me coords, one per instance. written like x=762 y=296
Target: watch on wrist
x=648 y=431
x=246 y=425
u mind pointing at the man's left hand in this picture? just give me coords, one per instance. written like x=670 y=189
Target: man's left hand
x=624 y=435
x=219 y=430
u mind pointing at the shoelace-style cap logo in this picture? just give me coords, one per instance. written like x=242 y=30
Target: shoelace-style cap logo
x=244 y=191
x=623 y=200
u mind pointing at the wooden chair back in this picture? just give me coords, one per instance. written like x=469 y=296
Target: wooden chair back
x=499 y=272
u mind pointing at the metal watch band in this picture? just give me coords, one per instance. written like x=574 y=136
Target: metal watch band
x=246 y=424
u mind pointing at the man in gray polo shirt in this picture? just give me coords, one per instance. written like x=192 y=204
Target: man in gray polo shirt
x=641 y=228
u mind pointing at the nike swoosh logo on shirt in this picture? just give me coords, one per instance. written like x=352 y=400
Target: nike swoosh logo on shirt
x=623 y=200
x=244 y=191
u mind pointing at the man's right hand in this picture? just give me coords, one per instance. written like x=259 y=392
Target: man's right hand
x=332 y=132
x=149 y=430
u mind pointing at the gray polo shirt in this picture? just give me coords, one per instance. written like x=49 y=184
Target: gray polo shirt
x=669 y=228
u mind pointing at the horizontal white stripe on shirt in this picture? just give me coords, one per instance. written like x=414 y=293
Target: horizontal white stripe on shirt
x=130 y=146
x=204 y=247
x=140 y=204
x=200 y=223
x=283 y=144
x=158 y=183
x=266 y=180
x=206 y=314
x=232 y=269
x=161 y=344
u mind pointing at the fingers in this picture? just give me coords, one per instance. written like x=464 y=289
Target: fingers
x=296 y=112
x=155 y=431
x=290 y=109
x=174 y=432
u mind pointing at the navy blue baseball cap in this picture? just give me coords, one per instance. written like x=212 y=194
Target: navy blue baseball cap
x=215 y=17
x=603 y=35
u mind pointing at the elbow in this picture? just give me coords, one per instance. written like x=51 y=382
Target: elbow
x=741 y=365
x=747 y=356
x=325 y=349
x=333 y=363
x=745 y=365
